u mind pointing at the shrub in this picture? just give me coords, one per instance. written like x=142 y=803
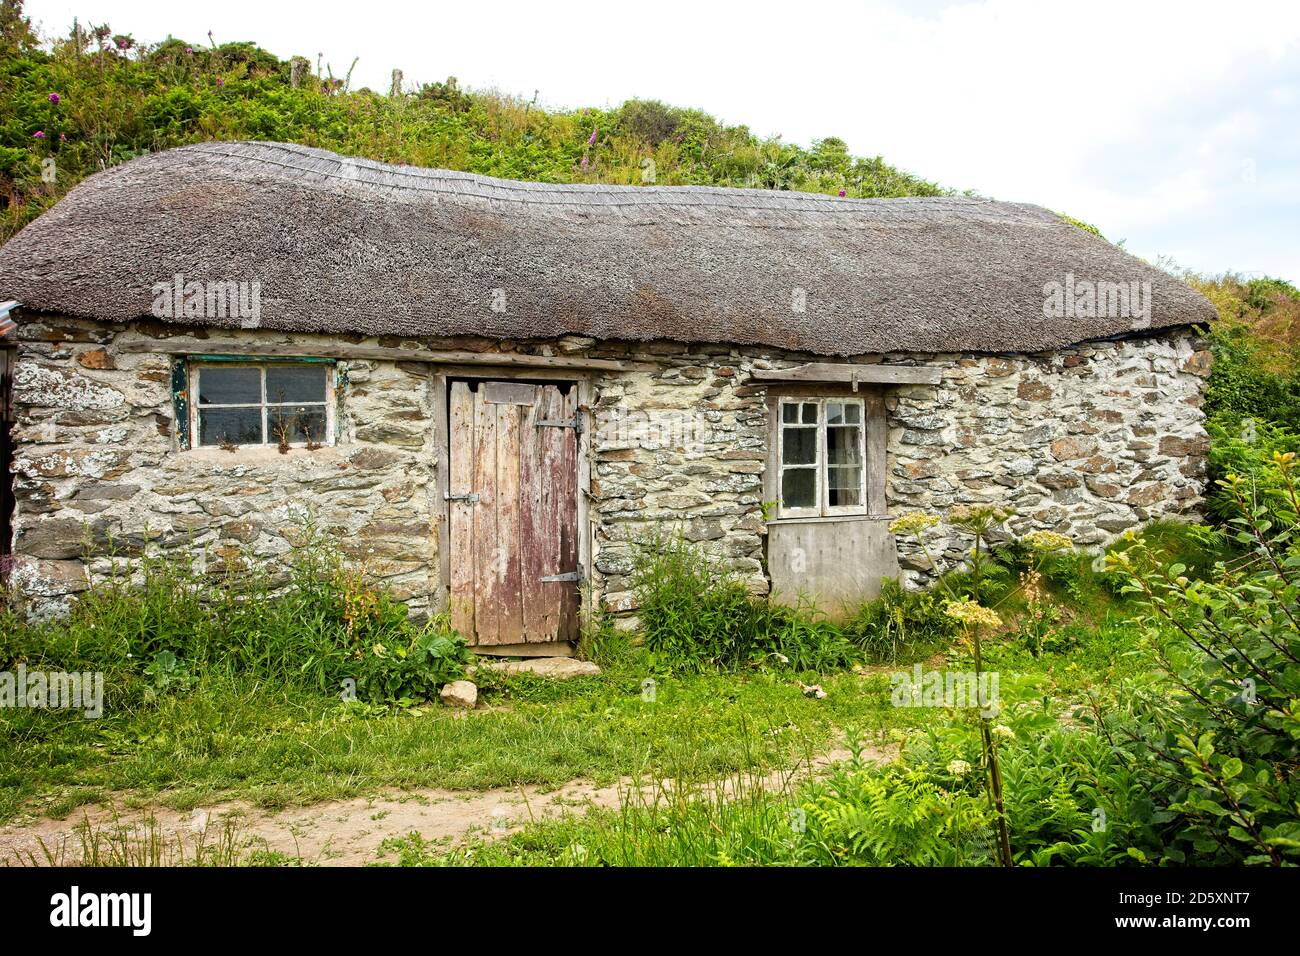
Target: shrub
x=900 y=625
x=1222 y=755
x=157 y=626
x=696 y=617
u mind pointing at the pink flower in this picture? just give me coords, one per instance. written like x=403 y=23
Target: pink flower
x=591 y=141
x=39 y=134
x=584 y=160
x=54 y=98
x=220 y=82
x=63 y=137
x=842 y=194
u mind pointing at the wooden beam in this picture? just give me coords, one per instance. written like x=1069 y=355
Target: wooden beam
x=878 y=374
x=181 y=345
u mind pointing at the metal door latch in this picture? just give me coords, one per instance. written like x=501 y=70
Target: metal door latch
x=575 y=423
x=567 y=576
x=471 y=497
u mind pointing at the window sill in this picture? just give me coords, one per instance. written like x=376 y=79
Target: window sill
x=260 y=454
x=816 y=519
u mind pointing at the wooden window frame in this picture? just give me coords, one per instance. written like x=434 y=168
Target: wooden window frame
x=194 y=368
x=873 y=436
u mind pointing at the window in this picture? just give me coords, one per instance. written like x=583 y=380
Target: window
x=821 y=457
x=262 y=404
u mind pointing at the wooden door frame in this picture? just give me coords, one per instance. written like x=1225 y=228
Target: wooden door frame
x=439 y=384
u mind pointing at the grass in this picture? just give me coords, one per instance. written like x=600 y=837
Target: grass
x=231 y=737
x=236 y=729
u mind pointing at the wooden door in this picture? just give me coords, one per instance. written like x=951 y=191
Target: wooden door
x=513 y=501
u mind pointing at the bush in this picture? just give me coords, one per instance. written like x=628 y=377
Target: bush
x=695 y=617
x=156 y=627
x=1222 y=755
x=900 y=625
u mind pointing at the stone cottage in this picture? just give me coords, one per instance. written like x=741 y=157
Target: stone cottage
x=488 y=392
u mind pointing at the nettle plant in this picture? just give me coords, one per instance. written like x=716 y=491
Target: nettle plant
x=1224 y=752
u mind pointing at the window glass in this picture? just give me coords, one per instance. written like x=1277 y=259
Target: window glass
x=230 y=426
x=799 y=446
x=224 y=385
x=296 y=424
x=844 y=445
x=799 y=488
x=295 y=383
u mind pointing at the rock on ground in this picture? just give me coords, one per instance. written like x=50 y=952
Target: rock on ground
x=460 y=693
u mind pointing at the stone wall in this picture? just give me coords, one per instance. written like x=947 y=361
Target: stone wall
x=99 y=474
x=1087 y=441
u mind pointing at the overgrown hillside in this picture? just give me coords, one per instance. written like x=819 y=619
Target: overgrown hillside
x=96 y=98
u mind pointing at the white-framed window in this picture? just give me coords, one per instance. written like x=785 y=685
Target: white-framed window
x=261 y=403
x=821 y=457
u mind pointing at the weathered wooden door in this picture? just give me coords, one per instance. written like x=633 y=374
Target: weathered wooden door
x=513 y=491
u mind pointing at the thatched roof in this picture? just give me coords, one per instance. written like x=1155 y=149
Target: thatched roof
x=346 y=245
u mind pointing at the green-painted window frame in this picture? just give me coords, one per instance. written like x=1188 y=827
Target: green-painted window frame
x=182 y=403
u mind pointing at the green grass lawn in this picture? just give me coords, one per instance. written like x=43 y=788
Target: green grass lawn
x=238 y=738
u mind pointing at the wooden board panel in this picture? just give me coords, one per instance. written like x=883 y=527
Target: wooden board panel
x=877 y=373
x=532 y=520
x=460 y=480
x=509 y=595
x=838 y=562
x=486 y=560
x=545 y=546
x=566 y=477
x=508 y=393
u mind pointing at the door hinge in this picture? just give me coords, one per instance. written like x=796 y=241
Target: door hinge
x=470 y=496
x=567 y=576
x=575 y=423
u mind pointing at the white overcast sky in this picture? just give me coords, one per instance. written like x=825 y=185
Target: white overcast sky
x=1174 y=126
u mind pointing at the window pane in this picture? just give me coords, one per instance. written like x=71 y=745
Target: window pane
x=810 y=413
x=844 y=445
x=799 y=488
x=844 y=487
x=790 y=413
x=239 y=426
x=799 y=446
x=230 y=386
x=295 y=383
x=300 y=423
x=843 y=413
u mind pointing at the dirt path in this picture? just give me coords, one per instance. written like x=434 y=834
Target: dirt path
x=348 y=832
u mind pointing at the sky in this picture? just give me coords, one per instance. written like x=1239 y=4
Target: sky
x=1172 y=126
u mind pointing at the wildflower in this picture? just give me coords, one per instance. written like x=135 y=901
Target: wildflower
x=220 y=82
x=591 y=140
x=914 y=522
x=583 y=164
x=958 y=768
x=189 y=50
x=39 y=134
x=63 y=137
x=54 y=98
x=977 y=515
x=843 y=194
x=972 y=614
x=1003 y=731
x=1048 y=541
